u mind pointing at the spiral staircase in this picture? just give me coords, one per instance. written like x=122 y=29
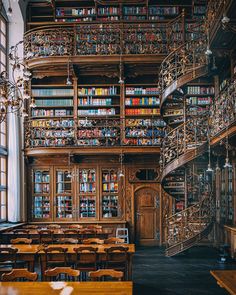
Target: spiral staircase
x=186 y=140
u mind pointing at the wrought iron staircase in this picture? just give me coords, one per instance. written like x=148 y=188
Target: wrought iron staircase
x=187 y=141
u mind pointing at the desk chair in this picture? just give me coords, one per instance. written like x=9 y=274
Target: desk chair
x=106 y=274
x=62 y=274
x=19 y=274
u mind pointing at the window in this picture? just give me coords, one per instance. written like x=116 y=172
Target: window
x=3 y=129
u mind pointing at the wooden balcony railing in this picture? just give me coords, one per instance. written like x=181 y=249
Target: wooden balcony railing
x=185 y=137
x=223 y=109
x=105 y=39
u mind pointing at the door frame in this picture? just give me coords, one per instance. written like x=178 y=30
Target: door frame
x=134 y=209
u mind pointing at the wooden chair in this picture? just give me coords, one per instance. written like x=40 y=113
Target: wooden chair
x=62 y=274
x=87 y=232
x=55 y=256
x=24 y=233
x=45 y=236
x=52 y=226
x=114 y=240
x=67 y=241
x=86 y=260
x=78 y=226
x=21 y=241
x=31 y=226
x=21 y=274
x=7 y=259
x=106 y=274
x=95 y=226
x=117 y=258
x=93 y=241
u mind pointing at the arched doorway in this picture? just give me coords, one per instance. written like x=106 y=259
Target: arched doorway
x=147 y=217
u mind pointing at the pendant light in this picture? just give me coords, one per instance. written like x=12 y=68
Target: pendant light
x=68 y=81
x=121 y=171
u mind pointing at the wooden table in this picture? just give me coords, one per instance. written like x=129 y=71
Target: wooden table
x=58 y=233
x=226 y=279
x=28 y=253
x=70 y=288
x=25 y=252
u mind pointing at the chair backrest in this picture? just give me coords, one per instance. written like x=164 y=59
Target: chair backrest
x=62 y=273
x=117 y=254
x=71 y=232
x=67 y=241
x=78 y=226
x=54 y=226
x=86 y=254
x=114 y=240
x=21 y=231
x=21 y=274
x=45 y=235
x=103 y=274
x=7 y=253
x=90 y=226
x=21 y=241
x=30 y=226
x=93 y=241
x=52 y=254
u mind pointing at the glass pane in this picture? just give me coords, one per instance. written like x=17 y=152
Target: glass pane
x=64 y=207
x=3 y=139
x=109 y=206
x=3 y=57
x=87 y=180
x=63 y=184
x=3 y=198
x=3 y=40
x=3 y=213
x=87 y=206
x=2 y=67
x=3 y=26
x=3 y=178
x=3 y=164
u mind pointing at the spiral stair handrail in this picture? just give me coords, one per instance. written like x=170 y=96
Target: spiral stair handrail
x=186 y=141
x=186 y=137
x=186 y=227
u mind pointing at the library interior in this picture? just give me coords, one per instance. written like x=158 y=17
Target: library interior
x=118 y=147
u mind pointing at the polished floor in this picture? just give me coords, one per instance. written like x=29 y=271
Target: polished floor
x=186 y=274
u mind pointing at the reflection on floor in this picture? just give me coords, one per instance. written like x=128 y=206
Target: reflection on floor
x=186 y=274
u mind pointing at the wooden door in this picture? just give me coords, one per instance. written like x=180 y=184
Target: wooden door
x=147 y=217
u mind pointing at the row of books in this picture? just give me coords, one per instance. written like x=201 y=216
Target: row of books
x=94 y=101
x=199 y=100
x=144 y=132
x=104 y=132
x=108 y=10
x=110 y=187
x=142 y=111
x=134 y=17
x=73 y=20
x=200 y=90
x=98 y=142
x=53 y=123
x=41 y=187
x=141 y=90
x=50 y=142
x=142 y=101
x=75 y=11
x=109 y=176
x=199 y=9
x=52 y=133
x=112 y=90
x=142 y=141
x=51 y=113
x=98 y=123
x=109 y=18
x=158 y=10
x=54 y=102
x=145 y=122
x=97 y=112
x=52 y=92
x=87 y=175
x=132 y=10
x=87 y=187
x=41 y=176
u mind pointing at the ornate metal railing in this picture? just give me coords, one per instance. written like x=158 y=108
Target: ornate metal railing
x=104 y=39
x=223 y=109
x=188 y=223
x=187 y=58
x=185 y=137
x=84 y=132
